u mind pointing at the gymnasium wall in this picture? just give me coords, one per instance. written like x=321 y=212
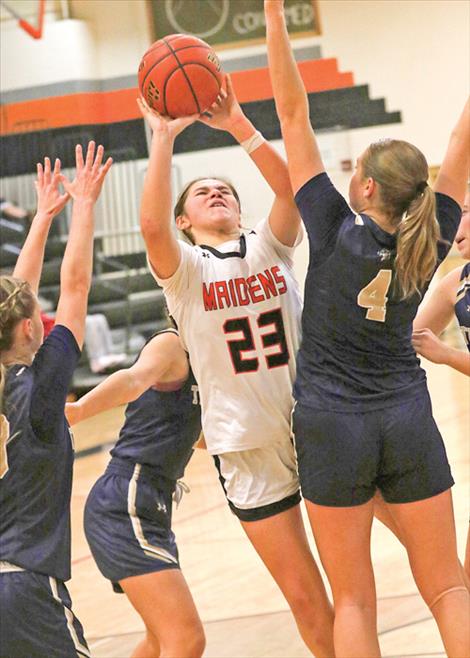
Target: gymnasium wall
x=397 y=68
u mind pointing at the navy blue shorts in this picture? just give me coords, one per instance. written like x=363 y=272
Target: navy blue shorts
x=36 y=618
x=344 y=457
x=128 y=524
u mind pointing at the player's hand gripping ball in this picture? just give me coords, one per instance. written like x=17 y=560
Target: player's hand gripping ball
x=180 y=75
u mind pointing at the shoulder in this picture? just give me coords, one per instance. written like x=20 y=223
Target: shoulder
x=165 y=357
x=62 y=339
x=447 y=209
x=60 y=349
x=446 y=289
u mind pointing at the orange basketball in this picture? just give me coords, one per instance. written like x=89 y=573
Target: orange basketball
x=180 y=75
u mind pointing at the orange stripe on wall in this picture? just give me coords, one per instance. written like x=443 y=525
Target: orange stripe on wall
x=318 y=75
x=71 y=110
x=120 y=105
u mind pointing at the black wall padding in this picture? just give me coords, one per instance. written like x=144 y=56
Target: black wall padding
x=344 y=109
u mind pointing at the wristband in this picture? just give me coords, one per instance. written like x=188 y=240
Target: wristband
x=252 y=143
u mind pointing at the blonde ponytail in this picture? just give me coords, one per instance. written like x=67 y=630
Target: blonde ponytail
x=3 y=375
x=401 y=171
x=417 y=240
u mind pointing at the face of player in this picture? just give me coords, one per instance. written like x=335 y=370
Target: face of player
x=463 y=234
x=210 y=206
x=357 y=186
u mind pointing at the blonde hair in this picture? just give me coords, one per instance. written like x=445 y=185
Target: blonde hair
x=401 y=171
x=181 y=200
x=17 y=302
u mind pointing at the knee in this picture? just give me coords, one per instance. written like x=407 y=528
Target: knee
x=196 y=643
x=189 y=641
x=310 y=605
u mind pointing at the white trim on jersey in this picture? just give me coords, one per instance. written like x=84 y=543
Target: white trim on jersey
x=8 y=567
x=69 y=616
x=149 y=549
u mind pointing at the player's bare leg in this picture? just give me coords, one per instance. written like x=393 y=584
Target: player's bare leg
x=164 y=602
x=467 y=557
x=147 y=648
x=383 y=513
x=282 y=544
x=342 y=535
x=428 y=531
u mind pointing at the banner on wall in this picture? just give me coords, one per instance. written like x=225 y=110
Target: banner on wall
x=229 y=23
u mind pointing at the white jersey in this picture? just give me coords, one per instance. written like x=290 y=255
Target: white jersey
x=238 y=311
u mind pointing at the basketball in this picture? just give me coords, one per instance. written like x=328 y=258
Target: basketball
x=179 y=75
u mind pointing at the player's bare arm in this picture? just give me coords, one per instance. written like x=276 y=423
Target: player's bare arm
x=162 y=363
x=226 y=114
x=155 y=210
x=303 y=155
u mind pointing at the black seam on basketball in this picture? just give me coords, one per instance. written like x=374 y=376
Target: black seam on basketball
x=171 y=51
x=152 y=67
x=187 y=79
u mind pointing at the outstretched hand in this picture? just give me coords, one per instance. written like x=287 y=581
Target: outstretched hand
x=90 y=174
x=50 y=199
x=225 y=112
x=164 y=125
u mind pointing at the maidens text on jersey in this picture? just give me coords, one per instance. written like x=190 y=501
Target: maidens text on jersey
x=242 y=291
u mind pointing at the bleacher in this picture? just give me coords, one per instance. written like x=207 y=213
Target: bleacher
x=122 y=289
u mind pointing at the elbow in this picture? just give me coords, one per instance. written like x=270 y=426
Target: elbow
x=76 y=279
x=293 y=111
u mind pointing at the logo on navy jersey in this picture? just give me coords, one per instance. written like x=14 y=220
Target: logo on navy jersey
x=195 y=392
x=384 y=254
x=161 y=507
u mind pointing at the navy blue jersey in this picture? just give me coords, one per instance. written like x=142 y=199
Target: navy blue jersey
x=161 y=428
x=35 y=490
x=462 y=304
x=356 y=331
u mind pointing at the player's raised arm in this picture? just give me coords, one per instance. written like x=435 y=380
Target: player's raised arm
x=50 y=202
x=303 y=155
x=155 y=209
x=162 y=362
x=454 y=171
x=226 y=114
x=77 y=264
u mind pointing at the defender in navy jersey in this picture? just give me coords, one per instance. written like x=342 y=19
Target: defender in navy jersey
x=36 y=446
x=128 y=511
x=235 y=299
x=363 y=418
x=450 y=297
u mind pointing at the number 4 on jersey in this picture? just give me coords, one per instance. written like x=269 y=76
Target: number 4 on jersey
x=4 y=436
x=374 y=298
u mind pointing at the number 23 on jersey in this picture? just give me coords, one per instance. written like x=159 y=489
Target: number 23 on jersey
x=275 y=338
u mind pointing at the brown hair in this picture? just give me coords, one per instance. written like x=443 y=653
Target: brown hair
x=17 y=302
x=181 y=200
x=401 y=171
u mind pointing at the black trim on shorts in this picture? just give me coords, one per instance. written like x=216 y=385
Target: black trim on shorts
x=266 y=511
x=262 y=512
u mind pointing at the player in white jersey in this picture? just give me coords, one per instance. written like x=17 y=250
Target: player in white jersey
x=237 y=306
